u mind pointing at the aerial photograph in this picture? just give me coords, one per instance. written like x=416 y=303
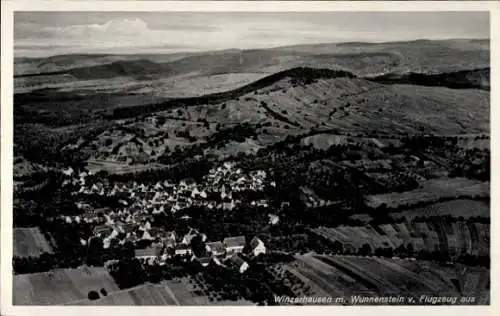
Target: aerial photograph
x=251 y=158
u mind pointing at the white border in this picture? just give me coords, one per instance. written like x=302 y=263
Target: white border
x=8 y=7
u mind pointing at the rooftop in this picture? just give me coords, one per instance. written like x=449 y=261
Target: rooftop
x=255 y=242
x=216 y=246
x=236 y=261
x=238 y=241
x=150 y=251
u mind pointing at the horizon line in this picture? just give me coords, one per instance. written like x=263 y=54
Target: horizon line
x=262 y=48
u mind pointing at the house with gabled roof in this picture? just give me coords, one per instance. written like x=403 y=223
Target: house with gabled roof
x=146 y=225
x=171 y=235
x=273 y=219
x=257 y=246
x=217 y=248
x=237 y=263
x=158 y=186
x=228 y=206
x=203 y=194
x=146 y=236
x=191 y=234
x=102 y=230
x=234 y=245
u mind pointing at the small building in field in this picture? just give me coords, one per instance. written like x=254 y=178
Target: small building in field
x=257 y=246
x=238 y=264
x=273 y=219
x=234 y=245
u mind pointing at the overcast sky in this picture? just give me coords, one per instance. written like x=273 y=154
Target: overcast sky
x=51 y=33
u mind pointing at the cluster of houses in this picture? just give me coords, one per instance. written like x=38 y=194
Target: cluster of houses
x=214 y=192
x=132 y=222
x=140 y=202
x=224 y=253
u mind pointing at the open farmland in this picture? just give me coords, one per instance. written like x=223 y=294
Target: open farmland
x=195 y=85
x=455 y=208
x=174 y=292
x=432 y=191
x=453 y=238
x=30 y=242
x=473 y=142
x=60 y=286
x=147 y=294
x=348 y=276
x=186 y=294
x=114 y=167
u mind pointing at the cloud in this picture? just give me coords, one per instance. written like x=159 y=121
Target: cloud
x=123 y=27
x=134 y=32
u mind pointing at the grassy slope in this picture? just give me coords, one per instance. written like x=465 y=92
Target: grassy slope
x=350 y=105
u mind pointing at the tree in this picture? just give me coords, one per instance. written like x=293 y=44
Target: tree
x=337 y=247
x=93 y=295
x=108 y=142
x=409 y=249
x=161 y=120
x=365 y=250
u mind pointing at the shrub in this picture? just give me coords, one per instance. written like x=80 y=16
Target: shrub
x=108 y=142
x=93 y=295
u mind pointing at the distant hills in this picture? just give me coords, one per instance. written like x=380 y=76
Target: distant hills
x=383 y=89
x=359 y=58
x=463 y=79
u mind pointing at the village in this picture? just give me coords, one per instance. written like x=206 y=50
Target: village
x=132 y=222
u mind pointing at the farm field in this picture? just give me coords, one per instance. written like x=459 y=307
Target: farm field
x=350 y=275
x=114 y=167
x=455 y=208
x=173 y=292
x=195 y=85
x=470 y=143
x=60 y=286
x=146 y=294
x=30 y=242
x=453 y=238
x=187 y=85
x=432 y=191
x=185 y=294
